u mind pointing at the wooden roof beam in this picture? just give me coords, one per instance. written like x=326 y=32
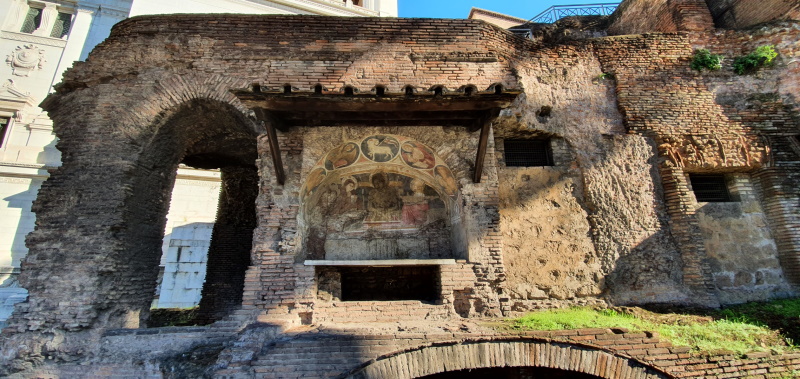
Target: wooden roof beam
x=274 y=148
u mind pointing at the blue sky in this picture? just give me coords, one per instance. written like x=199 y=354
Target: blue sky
x=525 y=9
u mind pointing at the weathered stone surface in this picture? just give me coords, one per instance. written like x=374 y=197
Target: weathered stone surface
x=613 y=220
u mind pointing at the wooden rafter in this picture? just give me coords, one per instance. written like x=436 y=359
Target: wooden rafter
x=285 y=110
x=274 y=148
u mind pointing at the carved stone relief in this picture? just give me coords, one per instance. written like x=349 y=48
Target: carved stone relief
x=26 y=59
x=714 y=151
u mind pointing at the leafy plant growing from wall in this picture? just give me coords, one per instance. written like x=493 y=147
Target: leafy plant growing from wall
x=703 y=59
x=749 y=63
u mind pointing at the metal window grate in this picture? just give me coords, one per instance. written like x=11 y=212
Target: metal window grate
x=32 y=20
x=527 y=153
x=62 y=25
x=710 y=188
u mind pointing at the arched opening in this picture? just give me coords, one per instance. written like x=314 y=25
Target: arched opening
x=378 y=218
x=204 y=135
x=511 y=373
x=513 y=358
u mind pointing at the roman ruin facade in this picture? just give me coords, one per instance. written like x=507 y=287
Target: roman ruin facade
x=387 y=181
x=40 y=40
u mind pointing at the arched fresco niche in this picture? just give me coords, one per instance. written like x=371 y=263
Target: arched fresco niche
x=378 y=198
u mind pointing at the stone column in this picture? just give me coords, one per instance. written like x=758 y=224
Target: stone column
x=231 y=242
x=685 y=230
x=16 y=15
x=780 y=199
x=49 y=16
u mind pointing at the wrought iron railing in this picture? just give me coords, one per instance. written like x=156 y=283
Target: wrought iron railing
x=557 y=12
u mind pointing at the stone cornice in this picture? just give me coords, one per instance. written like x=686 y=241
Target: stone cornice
x=333 y=8
x=30 y=38
x=104 y=9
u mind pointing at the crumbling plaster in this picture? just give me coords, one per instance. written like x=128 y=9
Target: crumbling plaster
x=625 y=229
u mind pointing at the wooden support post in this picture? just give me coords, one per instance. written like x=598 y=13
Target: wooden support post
x=485 y=124
x=274 y=149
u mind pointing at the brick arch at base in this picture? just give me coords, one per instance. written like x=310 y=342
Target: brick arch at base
x=457 y=356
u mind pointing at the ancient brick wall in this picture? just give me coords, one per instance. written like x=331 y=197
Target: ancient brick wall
x=347 y=352
x=665 y=16
x=735 y=14
x=454 y=149
x=743 y=255
x=231 y=243
x=627 y=118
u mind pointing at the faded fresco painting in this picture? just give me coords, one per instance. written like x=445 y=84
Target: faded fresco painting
x=383 y=197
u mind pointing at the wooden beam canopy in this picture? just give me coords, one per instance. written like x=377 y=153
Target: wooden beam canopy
x=283 y=110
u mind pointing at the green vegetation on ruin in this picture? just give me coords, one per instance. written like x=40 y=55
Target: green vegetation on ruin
x=771 y=326
x=762 y=56
x=703 y=59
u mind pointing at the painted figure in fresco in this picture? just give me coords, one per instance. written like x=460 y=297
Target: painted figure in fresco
x=447 y=180
x=415 y=207
x=342 y=156
x=315 y=178
x=349 y=199
x=417 y=155
x=384 y=203
x=380 y=148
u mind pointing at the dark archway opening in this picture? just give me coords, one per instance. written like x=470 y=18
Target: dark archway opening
x=231 y=242
x=205 y=135
x=512 y=373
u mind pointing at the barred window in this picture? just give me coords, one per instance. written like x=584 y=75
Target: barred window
x=62 y=25
x=32 y=20
x=4 y=122
x=528 y=153
x=710 y=188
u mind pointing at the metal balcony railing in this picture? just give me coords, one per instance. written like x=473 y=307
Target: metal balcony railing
x=557 y=12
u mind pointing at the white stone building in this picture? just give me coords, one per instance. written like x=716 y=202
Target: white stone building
x=40 y=40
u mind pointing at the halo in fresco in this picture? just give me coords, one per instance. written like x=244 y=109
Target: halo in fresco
x=446 y=180
x=380 y=148
x=418 y=155
x=382 y=152
x=342 y=156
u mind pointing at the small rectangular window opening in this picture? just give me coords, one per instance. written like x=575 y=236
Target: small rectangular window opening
x=710 y=188
x=390 y=283
x=32 y=20
x=528 y=153
x=62 y=25
x=4 y=122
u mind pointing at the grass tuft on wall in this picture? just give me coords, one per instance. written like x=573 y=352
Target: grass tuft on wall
x=740 y=329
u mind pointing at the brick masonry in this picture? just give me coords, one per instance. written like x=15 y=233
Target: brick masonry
x=353 y=353
x=615 y=219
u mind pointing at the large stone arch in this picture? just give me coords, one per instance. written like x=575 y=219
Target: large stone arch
x=101 y=215
x=457 y=356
